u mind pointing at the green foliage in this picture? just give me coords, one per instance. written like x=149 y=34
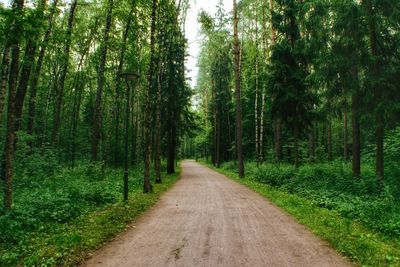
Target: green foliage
x=362 y=227
x=54 y=213
x=332 y=186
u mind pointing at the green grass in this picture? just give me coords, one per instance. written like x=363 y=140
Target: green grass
x=362 y=245
x=91 y=213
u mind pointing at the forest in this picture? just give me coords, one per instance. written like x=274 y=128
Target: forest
x=320 y=105
x=298 y=97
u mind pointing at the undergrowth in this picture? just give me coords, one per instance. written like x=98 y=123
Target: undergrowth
x=59 y=217
x=354 y=215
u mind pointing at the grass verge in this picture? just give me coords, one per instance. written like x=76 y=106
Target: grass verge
x=361 y=245
x=70 y=244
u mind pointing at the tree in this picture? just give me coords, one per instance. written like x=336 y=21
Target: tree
x=236 y=51
x=64 y=70
x=97 y=117
x=148 y=97
x=14 y=44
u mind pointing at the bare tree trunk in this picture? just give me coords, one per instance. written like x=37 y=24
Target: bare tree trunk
x=3 y=76
x=118 y=83
x=256 y=109
x=23 y=81
x=330 y=156
x=265 y=47
x=27 y=65
x=356 y=148
x=296 y=146
x=97 y=117
x=277 y=137
x=15 y=28
x=37 y=71
x=239 y=129
x=149 y=92
x=311 y=145
x=75 y=116
x=277 y=122
x=60 y=93
x=157 y=162
x=345 y=135
x=172 y=150
x=379 y=118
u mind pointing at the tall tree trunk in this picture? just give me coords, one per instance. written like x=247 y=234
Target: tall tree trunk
x=296 y=146
x=3 y=76
x=97 y=117
x=218 y=140
x=379 y=118
x=157 y=161
x=23 y=81
x=256 y=108
x=15 y=28
x=277 y=122
x=37 y=71
x=75 y=116
x=118 y=82
x=147 y=188
x=345 y=135
x=64 y=70
x=311 y=145
x=239 y=129
x=355 y=122
x=171 y=149
x=278 y=137
x=27 y=65
x=330 y=154
x=264 y=89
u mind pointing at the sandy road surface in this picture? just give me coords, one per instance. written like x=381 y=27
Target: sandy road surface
x=208 y=220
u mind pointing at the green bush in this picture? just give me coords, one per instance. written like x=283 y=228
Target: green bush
x=332 y=186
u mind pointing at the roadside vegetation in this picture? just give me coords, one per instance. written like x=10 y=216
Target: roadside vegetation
x=320 y=114
x=88 y=90
x=356 y=219
x=61 y=214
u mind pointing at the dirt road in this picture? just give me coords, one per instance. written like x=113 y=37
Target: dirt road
x=208 y=220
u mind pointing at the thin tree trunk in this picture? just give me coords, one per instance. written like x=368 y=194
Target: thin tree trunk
x=277 y=137
x=379 y=118
x=97 y=117
x=330 y=156
x=23 y=81
x=277 y=122
x=265 y=47
x=61 y=84
x=171 y=150
x=311 y=145
x=15 y=28
x=256 y=109
x=157 y=162
x=356 y=153
x=147 y=188
x=27 y=65
x=345 y=135
x=118 y=83
x=3 y=76
x=239 y=129
x=296 y=146
x=218 y=140
x=75 y=118
x=37 y=71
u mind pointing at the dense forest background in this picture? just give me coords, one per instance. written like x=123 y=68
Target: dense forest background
x=320 y=103
x=301 y=95
x=87 y=87
x=319 y=84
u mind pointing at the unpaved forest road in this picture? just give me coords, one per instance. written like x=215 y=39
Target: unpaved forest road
x=205 y=219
